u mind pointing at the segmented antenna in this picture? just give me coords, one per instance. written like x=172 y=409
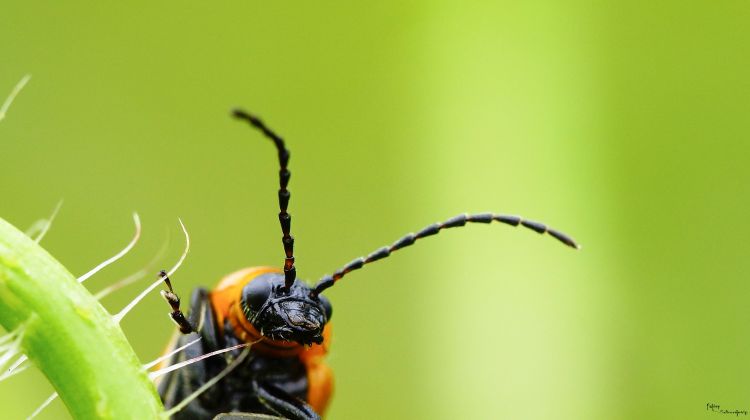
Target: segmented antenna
x=290 y=272
x=457 y=221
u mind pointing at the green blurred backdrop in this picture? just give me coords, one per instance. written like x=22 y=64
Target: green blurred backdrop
x=624 y=124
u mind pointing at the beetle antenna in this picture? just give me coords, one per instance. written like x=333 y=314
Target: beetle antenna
x=460 y=220
x=290 y=272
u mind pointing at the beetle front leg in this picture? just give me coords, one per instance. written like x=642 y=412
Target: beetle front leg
x=280 y=402
x=174 y=301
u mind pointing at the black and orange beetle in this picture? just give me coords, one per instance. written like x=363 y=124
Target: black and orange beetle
x=287 y=321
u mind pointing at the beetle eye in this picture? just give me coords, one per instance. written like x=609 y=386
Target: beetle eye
x=326 y=304
x=255 y=294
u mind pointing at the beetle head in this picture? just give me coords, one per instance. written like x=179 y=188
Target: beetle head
x=281 y=314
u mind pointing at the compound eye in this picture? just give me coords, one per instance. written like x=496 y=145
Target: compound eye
x=255 y=294
x=326 y=304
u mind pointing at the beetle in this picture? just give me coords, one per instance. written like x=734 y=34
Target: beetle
x=286 y=320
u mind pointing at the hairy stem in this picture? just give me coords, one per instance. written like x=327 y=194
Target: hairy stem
x=69 y=336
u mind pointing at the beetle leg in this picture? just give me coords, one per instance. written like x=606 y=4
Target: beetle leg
x=174 y=301
x=280 y=402
x=177 y=385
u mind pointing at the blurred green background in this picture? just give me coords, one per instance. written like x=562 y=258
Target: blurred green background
x=623 y=124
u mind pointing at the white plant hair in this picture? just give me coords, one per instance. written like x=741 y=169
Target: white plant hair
x=12 y=96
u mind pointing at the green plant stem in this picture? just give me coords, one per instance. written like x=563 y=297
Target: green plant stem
x=69 y=336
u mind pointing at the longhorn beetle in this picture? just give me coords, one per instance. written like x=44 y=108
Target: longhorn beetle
x=286 y=320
